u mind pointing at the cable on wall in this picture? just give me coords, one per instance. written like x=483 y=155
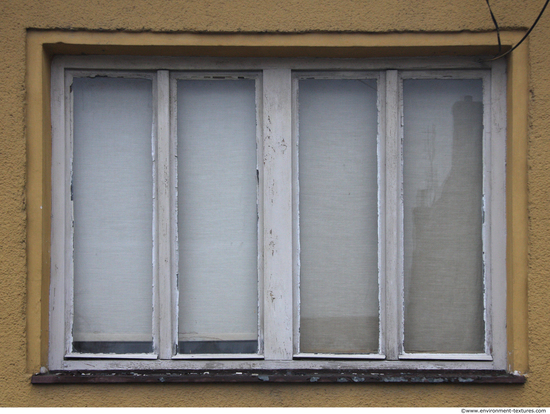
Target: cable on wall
x=496 y=25
x=524 y=37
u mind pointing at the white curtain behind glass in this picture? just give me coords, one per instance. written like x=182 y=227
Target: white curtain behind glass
x=338 y=125
x=442 y=174
x=113 y=210
x=217 y=210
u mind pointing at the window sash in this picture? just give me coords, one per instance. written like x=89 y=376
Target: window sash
x=69 y=215
x=379 y=78
x=280 y=335
x=485 y=77
x=174 y=293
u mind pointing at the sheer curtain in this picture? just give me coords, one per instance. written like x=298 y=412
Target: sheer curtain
x=217 y=216
x=442 y=174
x=338 y=125
x=112 y=190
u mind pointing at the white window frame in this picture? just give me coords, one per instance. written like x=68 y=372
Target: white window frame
x=168 y=291
x=278 y=228
x=380 y=77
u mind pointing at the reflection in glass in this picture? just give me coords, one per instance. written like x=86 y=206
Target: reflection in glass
x=442 y=174
x=338 y=125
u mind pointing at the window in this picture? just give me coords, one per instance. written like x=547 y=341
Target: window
x=277 y=213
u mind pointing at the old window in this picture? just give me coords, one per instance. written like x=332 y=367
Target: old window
x=277 y=213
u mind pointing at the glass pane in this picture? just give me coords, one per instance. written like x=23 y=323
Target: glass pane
x=112 y=193
x=217 y=216
x=442 y=179
x=338 y=125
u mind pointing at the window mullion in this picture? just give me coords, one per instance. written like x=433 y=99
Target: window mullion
x=59 y=275
x=381 y=169
x=296 y=216
x=277 y=296
x=393 y=227
x=497 y=208
x=69 y=217
x=163 y=307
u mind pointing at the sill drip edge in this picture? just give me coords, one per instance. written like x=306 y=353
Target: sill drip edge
x=279 y=376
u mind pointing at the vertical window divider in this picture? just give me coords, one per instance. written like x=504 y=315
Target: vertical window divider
x=497 y=199
x=59 y=237
x=400 y=216
x=381 y=168
x=69 y=216
x=486 y=211
x=277 y=208
x=296 y=212
x=163 y=276
x=260 y=189
x=392 y=207
x=173 y=171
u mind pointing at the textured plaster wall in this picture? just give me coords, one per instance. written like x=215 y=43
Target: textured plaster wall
x=16 y=16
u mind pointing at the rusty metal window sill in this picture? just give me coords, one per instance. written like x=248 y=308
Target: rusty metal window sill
x=280 y=376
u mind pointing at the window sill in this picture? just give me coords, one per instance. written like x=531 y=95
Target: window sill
x=294 y=376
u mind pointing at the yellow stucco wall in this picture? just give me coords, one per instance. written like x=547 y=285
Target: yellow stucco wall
x=23 y=252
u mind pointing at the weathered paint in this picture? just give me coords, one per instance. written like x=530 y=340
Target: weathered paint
x=294 y=376
x=206 y=27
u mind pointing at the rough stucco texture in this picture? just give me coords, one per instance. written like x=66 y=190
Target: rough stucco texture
x=16 y=16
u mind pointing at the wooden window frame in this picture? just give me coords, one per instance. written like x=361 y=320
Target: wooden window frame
x=279 y=217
